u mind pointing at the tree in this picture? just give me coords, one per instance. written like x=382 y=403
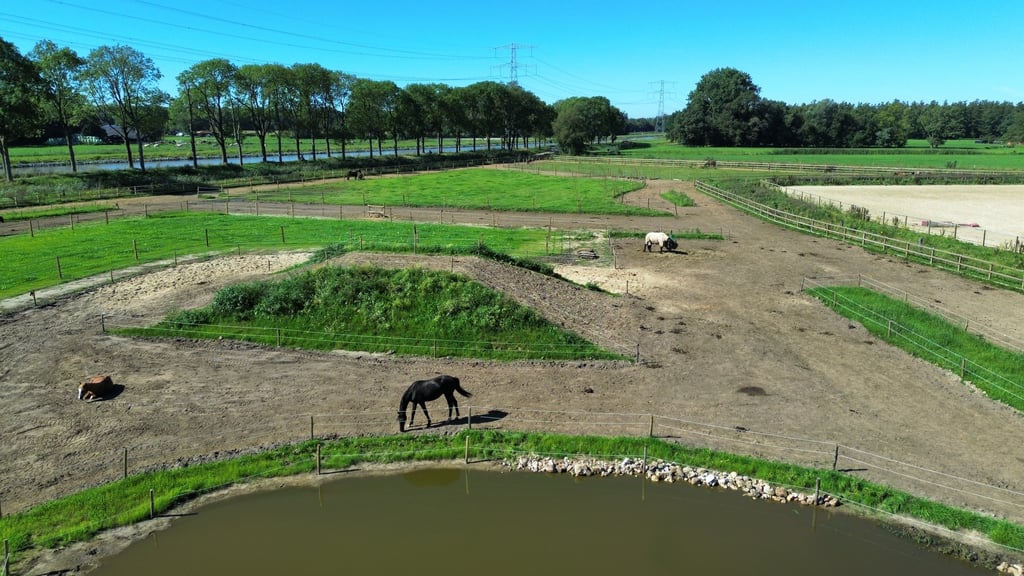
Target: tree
x=124 y=81
x=252 y=88
x=313 y=84
x=20 y=90
x=60 y=69
x=212 y=83
x=373 y=111
x=582 y=121
x=719 y=110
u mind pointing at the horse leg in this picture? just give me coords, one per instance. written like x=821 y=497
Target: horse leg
x=425 y=413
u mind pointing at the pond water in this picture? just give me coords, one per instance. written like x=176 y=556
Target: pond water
x=454 y=521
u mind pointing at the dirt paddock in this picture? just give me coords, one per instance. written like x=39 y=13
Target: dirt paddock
x=713 y=320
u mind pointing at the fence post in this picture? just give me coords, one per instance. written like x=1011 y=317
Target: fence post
x=835 y=459
x=126 y=462
x=637 y=353
x=467 y=448
x=152 y=505
x=817 y=489
x=135 y=248
x=60 y=275
x=469 y=419
x=317 y=459
x=311 y=427
x=963 y=366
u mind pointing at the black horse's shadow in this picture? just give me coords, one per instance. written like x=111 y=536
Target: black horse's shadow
x=488 y=417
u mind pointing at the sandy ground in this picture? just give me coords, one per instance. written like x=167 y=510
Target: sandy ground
x=989 y=215
x=733 y=356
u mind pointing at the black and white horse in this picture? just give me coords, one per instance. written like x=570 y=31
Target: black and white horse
x=664 y=241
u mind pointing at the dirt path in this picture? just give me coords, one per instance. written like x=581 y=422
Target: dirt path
x=715 y=322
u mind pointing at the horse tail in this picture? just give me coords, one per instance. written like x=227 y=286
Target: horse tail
x=461 y=390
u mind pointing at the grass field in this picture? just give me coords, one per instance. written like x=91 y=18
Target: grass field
x=54 y=255
x=475 y=188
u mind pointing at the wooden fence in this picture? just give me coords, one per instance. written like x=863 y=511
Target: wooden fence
x=964 y=265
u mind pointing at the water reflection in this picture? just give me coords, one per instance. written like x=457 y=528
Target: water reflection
x=430 y=522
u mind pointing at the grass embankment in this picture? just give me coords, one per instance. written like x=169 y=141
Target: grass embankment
x=992 y=369
x=475 y=189
x=81 y=516
x=380 y=310
x=56 y=255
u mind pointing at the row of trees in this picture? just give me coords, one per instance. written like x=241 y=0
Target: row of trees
x=119 y=86
x=726 y=109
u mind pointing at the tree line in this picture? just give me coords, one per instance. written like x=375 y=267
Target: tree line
x=55 y=90
x=726 y=109
x=52 y=90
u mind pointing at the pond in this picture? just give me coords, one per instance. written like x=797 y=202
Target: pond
x=458 y=521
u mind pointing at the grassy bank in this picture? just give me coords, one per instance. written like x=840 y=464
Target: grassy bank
x=82 y=515
x=993 y=369
x=408 y=311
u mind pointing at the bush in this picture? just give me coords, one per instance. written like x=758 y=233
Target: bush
x=239 y=300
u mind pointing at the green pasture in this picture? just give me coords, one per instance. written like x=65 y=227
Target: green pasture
x=993 y=369
x=55 y=255
x=960 y=154
x=474 y=189
x=81 y=516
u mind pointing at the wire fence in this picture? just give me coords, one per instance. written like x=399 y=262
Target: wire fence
x=990 y=334
x=962 y=490
x=431 y=346
x=927 y=348
x=965 y=232
x=968 y=266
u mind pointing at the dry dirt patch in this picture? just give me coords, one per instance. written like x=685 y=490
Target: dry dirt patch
x=712 y=320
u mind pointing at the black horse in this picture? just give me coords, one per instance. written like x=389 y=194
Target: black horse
x=422 y=391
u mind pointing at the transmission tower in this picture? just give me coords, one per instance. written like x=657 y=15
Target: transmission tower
x=513 y=63
x=659 y=122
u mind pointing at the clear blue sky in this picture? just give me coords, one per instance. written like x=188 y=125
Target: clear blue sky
x=637 y=54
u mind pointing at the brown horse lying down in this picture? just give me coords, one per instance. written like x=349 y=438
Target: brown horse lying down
x=95 y=387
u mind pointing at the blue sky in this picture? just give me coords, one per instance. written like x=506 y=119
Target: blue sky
x=637 y=54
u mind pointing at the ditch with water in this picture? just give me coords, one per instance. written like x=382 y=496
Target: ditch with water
x=460 y=521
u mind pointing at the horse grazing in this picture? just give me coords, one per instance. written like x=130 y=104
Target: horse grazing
x=357 y=174
x=422 y=391
x=95 y=387
x=662 y=240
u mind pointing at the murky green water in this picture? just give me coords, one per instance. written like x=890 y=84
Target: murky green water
x=453 y=521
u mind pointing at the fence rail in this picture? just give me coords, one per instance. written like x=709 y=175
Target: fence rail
x=962 y=489
x=829 y=169
x=969 y=325
x=969 y=266
x=971 y=233
x=968 y=370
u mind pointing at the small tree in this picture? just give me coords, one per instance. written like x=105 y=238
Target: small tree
x=60 y=69
x=20 y=92
x=124 y=80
